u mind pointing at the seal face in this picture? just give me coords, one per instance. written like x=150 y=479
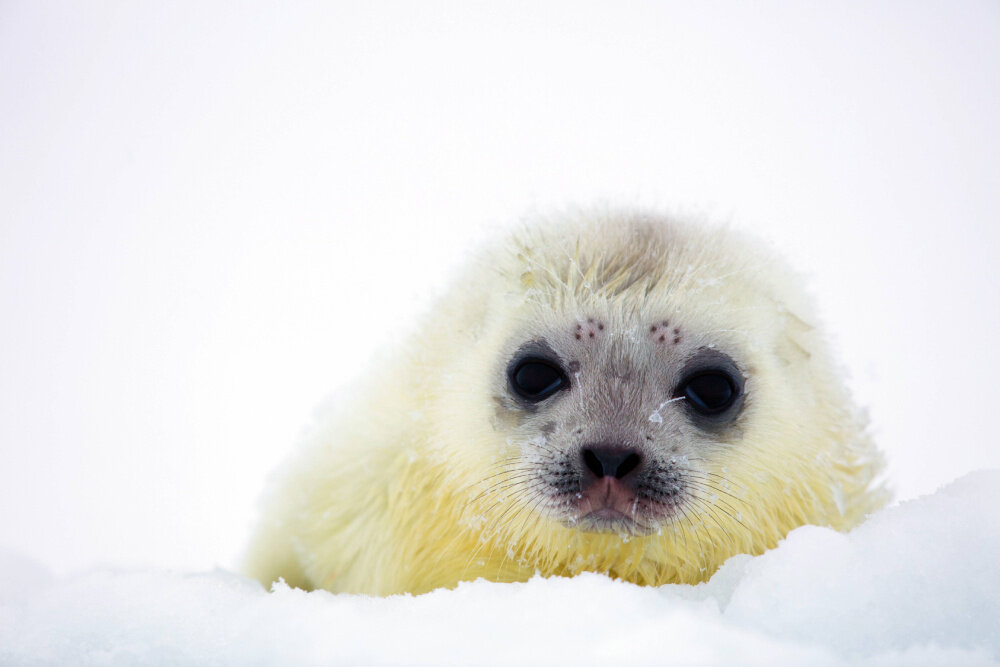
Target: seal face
x=613 y=418
x=616 y=393
x=613 y=455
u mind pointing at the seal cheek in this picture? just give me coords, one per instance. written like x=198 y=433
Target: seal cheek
x=506 y=417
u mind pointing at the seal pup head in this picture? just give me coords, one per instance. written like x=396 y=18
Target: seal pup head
x=647 y=382
x=616 y=393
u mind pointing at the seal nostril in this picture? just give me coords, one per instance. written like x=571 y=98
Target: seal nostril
x=628 y=465
x=610 y=461
x=593 y=463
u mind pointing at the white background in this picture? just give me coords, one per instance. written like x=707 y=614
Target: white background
x=213 y=214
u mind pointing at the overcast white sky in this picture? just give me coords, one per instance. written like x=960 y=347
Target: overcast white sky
x=213 y=214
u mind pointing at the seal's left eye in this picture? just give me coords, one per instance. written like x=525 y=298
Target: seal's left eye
x=537 y=379
x=709 y=392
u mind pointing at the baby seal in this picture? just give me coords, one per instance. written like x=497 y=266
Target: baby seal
x=616 y=392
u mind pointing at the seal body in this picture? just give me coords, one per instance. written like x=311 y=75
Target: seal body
x=612 y=392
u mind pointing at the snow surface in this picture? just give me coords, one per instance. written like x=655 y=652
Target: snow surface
x=916 y=584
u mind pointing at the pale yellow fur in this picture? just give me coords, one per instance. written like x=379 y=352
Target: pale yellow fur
x=398 y=491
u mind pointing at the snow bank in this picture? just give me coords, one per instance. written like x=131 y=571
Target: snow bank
x=917 y=584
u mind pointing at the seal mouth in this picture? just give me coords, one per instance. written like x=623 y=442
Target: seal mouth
x=600 y=496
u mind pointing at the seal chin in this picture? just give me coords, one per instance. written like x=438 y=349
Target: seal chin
x=608 y=520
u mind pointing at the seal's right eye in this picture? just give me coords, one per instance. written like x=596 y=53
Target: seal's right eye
x=537 y=379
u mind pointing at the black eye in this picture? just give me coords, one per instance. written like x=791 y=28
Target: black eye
x=709 y=392
x=537 y=379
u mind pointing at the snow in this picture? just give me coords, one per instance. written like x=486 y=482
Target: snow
x=916 y=584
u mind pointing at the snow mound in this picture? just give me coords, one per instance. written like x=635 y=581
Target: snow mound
x=918 y=583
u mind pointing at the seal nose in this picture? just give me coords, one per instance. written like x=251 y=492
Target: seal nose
x=610 y=461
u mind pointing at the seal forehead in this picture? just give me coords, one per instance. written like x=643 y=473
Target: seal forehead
x=589 y=329
x=594 y=259
x=663 y=332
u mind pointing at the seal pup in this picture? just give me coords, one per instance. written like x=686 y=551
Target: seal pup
x=613 y=392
